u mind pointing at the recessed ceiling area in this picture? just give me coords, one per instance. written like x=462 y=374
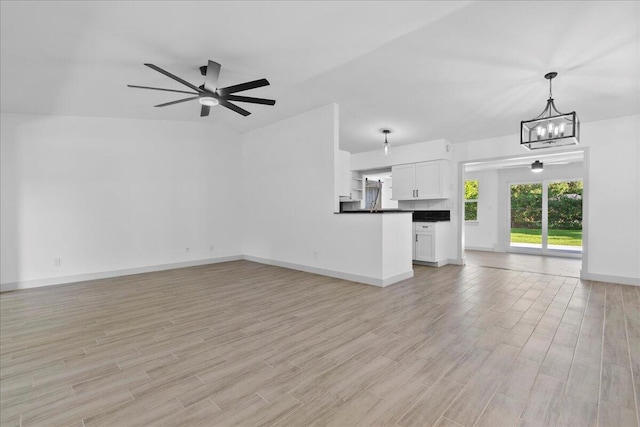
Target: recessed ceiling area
x=455 y=70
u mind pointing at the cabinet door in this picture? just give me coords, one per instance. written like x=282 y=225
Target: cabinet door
x=428 y=180
x=403 y=182
x=425 y=244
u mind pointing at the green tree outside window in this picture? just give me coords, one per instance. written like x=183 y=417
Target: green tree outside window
x=471 y=200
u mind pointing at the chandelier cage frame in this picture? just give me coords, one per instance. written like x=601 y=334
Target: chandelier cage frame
x=551 y=128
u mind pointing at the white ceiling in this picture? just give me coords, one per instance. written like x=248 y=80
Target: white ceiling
x=428 y=70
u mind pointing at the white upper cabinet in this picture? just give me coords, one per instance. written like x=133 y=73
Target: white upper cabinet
x=431 y=180
x=421 y=181
x=404 y=182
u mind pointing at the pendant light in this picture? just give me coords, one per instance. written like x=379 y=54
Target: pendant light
x=386 y=143
x=537 y=166
x=551 y=128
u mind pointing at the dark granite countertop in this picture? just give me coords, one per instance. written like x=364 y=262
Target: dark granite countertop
x=417 y=215
x=379 y=211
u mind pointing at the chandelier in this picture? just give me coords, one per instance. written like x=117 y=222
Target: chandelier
x=551 y=128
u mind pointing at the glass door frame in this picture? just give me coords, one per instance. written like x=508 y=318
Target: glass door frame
x=544 y=249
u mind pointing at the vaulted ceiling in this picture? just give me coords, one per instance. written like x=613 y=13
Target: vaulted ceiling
x=428 y=70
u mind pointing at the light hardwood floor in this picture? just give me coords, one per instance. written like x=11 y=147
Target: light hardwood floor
x=246 y=344
x=560 y=266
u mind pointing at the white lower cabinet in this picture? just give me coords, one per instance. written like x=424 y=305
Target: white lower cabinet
x=425 y=245
x=430 y=242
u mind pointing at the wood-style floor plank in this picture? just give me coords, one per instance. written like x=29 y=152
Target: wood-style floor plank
x=241 y=343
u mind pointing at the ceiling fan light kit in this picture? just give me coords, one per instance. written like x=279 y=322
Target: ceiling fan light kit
x=209 y=101
x=208 y=94
x=551 y=128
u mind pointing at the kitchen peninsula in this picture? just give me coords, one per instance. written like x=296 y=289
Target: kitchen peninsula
x=384 y=245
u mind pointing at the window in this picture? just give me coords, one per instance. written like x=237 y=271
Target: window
x=471 y=200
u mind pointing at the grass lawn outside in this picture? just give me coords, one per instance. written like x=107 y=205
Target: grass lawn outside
x=556 y=237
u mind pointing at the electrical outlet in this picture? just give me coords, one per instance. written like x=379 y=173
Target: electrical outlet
x=57 y=262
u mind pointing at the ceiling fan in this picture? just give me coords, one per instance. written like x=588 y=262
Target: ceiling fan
x=209 y=94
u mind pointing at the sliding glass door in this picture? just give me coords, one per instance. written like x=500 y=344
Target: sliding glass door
x=546 y=217
x=565 y=216
x=526 y=216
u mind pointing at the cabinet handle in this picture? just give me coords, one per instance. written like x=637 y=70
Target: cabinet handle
x=416 y=238
x=417 y=193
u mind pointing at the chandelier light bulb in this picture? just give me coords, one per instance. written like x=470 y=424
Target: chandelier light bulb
x=386 y=142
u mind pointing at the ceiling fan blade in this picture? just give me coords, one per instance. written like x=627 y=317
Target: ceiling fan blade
x=250 y=99
x=177 y=102
x=243 y=86
x=233 y=107
x=204 y=111
x=159 y=88
x=176 y=78
x=211 y=79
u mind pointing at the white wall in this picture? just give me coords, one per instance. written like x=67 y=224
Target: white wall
x=614 y=197
x=612 y=246
x=482 y=234
x=288 y=183
x=111 y=195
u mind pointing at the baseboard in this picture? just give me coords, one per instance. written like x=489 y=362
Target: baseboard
x=37 y=283
x=479 y=248
x=367 y=280
x=441 y=263
x=397 y=278
x=633 y=281
x=430 y=264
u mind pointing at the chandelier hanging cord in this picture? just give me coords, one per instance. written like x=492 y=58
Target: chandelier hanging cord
x=550 y=108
